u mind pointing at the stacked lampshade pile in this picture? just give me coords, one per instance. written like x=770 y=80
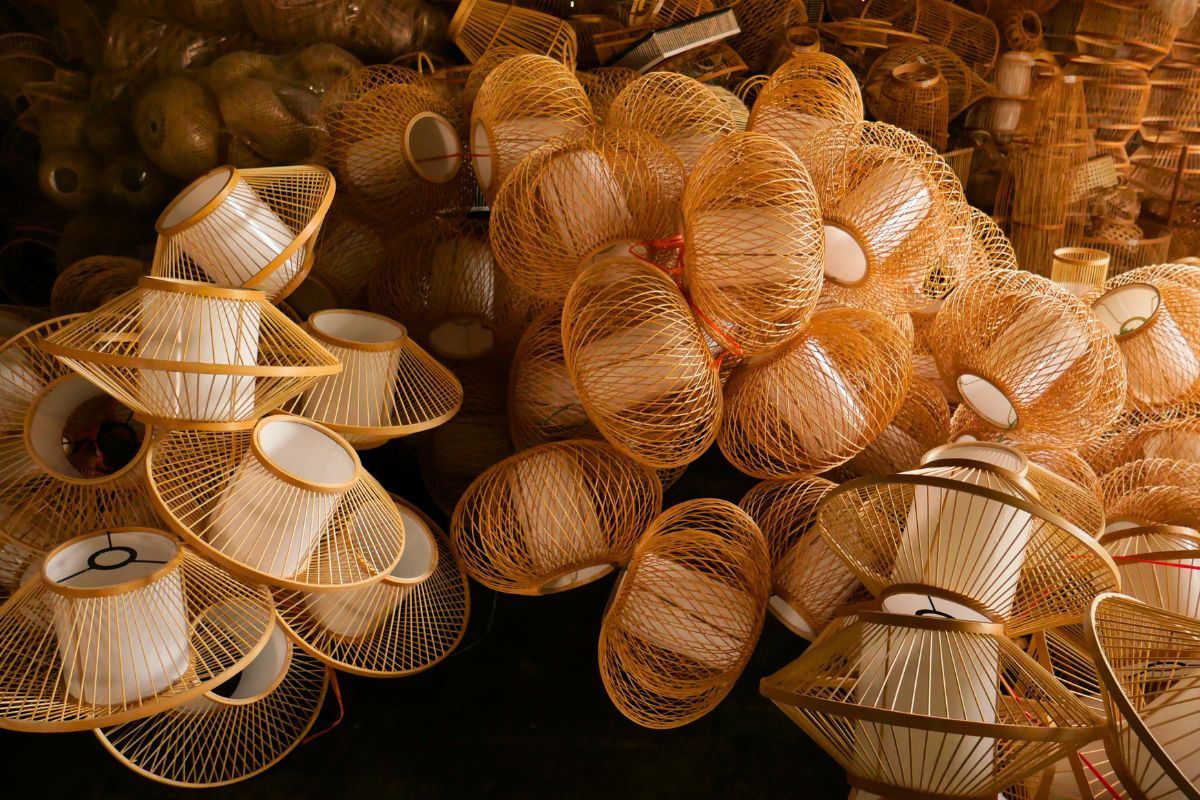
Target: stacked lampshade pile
x=190 y=542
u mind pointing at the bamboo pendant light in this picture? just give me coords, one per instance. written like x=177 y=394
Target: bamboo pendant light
x=543 y=405
x=92 y=282
x=811 y=92
x=921 y=424
x=1152 y=491
x=479 y=25
x=1159 y=566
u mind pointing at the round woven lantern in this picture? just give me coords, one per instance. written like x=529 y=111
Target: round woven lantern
x=761 y=23
x=286 y=503
x=811 y=92
x=603 y=84
x=178 y=125
x=523 y=103
x=752 y=228
x=69 y=178
x=1116 y=94
x=1152 y=491
x=915 y=96
x=1079 y=270
x=543 y=405
x=1021 y=29
x=810 y=583
x=1029 y=358
x=820 y=399
x=640 y=363
x=479 y=25
x=580 y=199
x=685 y=615
x=492 y=58
x=180 y=352
x=119 y=624
x=679 y=111
x=1174 y=435
x=93 y=281
x=1160 y=565
x=347 y=254
x=921 y=423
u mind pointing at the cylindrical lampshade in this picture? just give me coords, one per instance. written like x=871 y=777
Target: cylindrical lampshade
x=921 y=423
x=963 y=87
x=1079 y=270
x=181 y=352
x=820 y=399
x=1160 y=565
x=543 y=405
x=523 y=103
x=640 y=363
x=388 y=385
x=811 y=92
x=685 y=615
x=1152 y=491
x=285 y=503
x=602 y=86
x=915 y=97
x=92 y=282
x=580 y=199
x=1116 y=93
x=404 y=624
x=554 y=517
x=1029 y=358
x=112 y=630
x=1128 y=31
x=479 y=25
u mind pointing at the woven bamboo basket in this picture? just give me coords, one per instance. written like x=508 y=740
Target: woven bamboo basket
x=921 y=424
x=1128 y=31
x=974 y=38
x=685 y=615
x=811 y=92
x=679 y=111
x=543 y=405
x=1020 y=29
x=1173 y=107
x=1116 y=94
x=963 y=87
x=479 y=25
x=915 y=97
x=1151 y=491
x=1158 y=565
x=1156 y=169
x=93 y=281
x=796 y=39
x=178 y=125
x=603 y=84
x=1079 y=270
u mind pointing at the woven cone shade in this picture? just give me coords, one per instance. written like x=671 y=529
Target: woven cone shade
x=543 y=405
x=85 y=646
x=921 y=423
x=388 y=385
x=819 y=400
x=809 y=582
x=224 y=737
x=286 y=503
x=1153 y=491
x=1028 y=358
x=580 y=199
x=915 y=97
x=1159 y=565
x=926 y=707
x=178 y=125
x=752 y=229
x=811 y=92
x=57 y=479
x=93 y=281
x=1132 y=32
x=680 y=111
x=479 y=25
x=602 y=86
x=1079 y=270
x=961 y=537
x=685 y=615
x=1066 y=485
x=1147 y=660
x=1116 y=94
x=640 y=363
x=180 y=352
x=523 y=103
x=347 y=255
x=406 y=623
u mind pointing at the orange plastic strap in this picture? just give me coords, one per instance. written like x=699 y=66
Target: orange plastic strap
x=337 y=692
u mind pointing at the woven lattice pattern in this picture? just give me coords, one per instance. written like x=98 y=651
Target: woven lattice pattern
x=1174 y=103
x=681 y=112
x=1131 y=31
x=177 y=124
x=1116 y=93
x=915 y=97
x=347 y=254
x=1080 y=270
x=480 y=70
x=1174 y=434
x=804 y=96
x=762 y=23
x=1066 y=485
x=921 y=423
x=479 y=25
x=543 y=405
x=973 y=38
x=1152 y=491
x=602 y=86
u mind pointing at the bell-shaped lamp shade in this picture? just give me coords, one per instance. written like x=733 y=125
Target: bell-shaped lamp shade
x=543 y=405
x=554 y=517
x=685 y=615
x=752 y=229
x=680 y=111
x=809 y=93
x=115 y=626
x=1151 y=491
x=286 y=502
x=181 y=352
x=963 y=87
x=479 y=25
x=640 y=363
x=92 y=282
x=915 y=96
x=251 y=228
x=921 y=424
x=1160 y=565
x=820 y=399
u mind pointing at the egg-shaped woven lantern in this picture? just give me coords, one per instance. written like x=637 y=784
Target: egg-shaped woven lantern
x=811 y=92
x=920 y=424
x=1151 y=491
x=543 y=405
x=820 y=399
x=492 y=58
x=92 y=282
x=685 y=615
x=915 y=96
x=479 y=25
x=186 y=353
x=1173 y=434
x=178 y=125
x=348 y=253
x=640 y=363
x=963 y=87
x=1028 y=358
x=602 y=86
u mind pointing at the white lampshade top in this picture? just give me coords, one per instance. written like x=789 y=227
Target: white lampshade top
x=986 y=400
x=996 y=455
x=110 y=559
x=845 y=260
x=306 y=453
x=432 y=147
x=358 y=329
x=193 y=200
x=925 y=605
x=1127 y=308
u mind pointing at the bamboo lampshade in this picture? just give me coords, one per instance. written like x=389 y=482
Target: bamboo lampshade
x=1020 y=29
x=347 y=255
x=17 y=564
x=492 y=58
x=286 y=503
x=1128 y=31
x=1151 y=491
x=250 y=228
x=479 y=25
x=685 y=615
x=820 y=399
x=181 y=352
x=1116 y=94
x=553 y=517
x=640 y=363
x=921 y=424
x=580 y=199
x=737 y=108
x=543 y=405
x=603 y=84
x=85 y=647
x=1067 y=485
x=1158 y=565
x=1029 y=358
x=1174 y=434
x=915 y=97
x=811 y=92
x=752 y=228
x=524 y=102
x=405 y=624
x=1079 y=270
x=973 y=38
x=93 y=281
x=681 y=112
x=809 y=581
x=1173 y=108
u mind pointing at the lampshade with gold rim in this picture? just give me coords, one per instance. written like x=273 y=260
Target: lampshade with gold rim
x=93 y=281
x=920 y=424
x=1079 y=270
x=1151 y=491
x=543 y=405
x=479 y=25
x=809 y=93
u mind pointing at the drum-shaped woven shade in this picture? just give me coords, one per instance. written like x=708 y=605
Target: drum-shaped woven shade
x=963 y=87
x=479 y=25
x=921 y=423
x=543 y=405
x=680 y=111
x=804 y=96
x=1079 y=270
x=1152 y=491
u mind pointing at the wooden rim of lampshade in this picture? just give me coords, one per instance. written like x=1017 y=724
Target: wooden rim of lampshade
x=869 y=694
x=920 y=424
x=220 y=739
x=46 y=495
x=640 y=363
x=251 y=228
x=818 y=400
x=807 y=94
x=286 y=503
x=554 y=517
x=543 y=405
x=478 y=25
x=1152 y=491
x=1146 y=658
x=684 y=616
x=186 y=353
x=1159 y=565
x=406 y=623
x=754 y=246
x=63 y=667
x=388 y=387
x=93 y=281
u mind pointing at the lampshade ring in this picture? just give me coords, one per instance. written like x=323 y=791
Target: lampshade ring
x=271 y=464
x=124 y=553
x=1128 y=325
x=230 y=174
x=427 y=131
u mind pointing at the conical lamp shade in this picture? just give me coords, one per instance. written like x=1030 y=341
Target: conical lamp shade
x=92 y=282
x=681 y=112
x=1152 y=491
x=921 y=423
x=479 y=25
x=543 y=405
x=811 y=92
x=1160 y=565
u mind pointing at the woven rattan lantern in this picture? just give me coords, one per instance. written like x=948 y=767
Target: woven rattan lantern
x=1028 y=358
x=921 y=423
x=119 y=624
x=1159 y=566
x=685 y=615
x=286 y=503
x=347 y=254
x=807 y=94
x=479 y=25
x=963 y=87
x=1079 y=270
x=915 y=97
x=820 y=399
x=640 y=363
x=930 y=707
x=554 y=517
x=1152 y=491
x=752 y=229
x=93 y=281
x=180 y=352
x=543 y=405
x=603 y=84
x=523 y=103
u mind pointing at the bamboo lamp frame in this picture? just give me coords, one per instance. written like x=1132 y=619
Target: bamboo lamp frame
x=457 y=452
x=1174 y=434
x=1079 y=270
x=603 y=84
x=93 y=281
x=761 y=23
x=1158 y=566
x=1156 y=169
x=1066 y=485
x=915 y=96
x=479 y=25
x=921 y=423
x=664 y=13
x=712 y=62
x=1129 y=31
x=737 y=108
x=347 y=254
x=685 y=615
x=480 y=70
x=1116 y=93
x=809 y=93
x=1174 y=103
x=1152 y=491
x=543 y=405
x=681 y=112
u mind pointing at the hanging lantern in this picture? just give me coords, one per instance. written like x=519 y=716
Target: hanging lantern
x=921 y=424
x=811 y=92
x=963 y=87
x=915 y=97
x=681 y=112
x=543 y=405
